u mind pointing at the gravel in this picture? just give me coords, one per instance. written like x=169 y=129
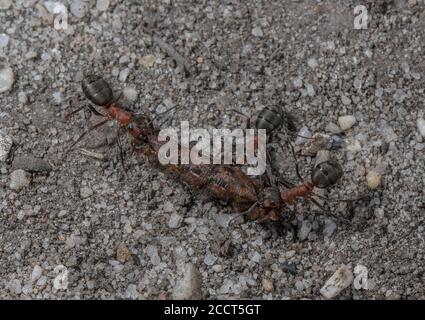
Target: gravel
x=243 y=55
x=19 y=179
x=7 y=78
x=188 y=287
x=5 y=146
x=340 y=280
x=31 y=164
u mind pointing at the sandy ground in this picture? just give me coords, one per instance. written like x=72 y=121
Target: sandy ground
x=75 y=226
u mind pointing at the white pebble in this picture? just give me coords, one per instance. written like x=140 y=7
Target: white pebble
x=353 y=145
x=360 y=280
x=346 y=122
x=373 y=179
x=175 y=221
x=189 y=286
x=312 y=63
x=421 y=126
x=6 y=79
x=123 y=75
x=5 y=4
x=102 y=5
x=339 y=281
x=57 y=97
x=19 y=180
x=61 y=280
x=257 y=32
x=210 y=259
x=333 y=128
x=78 y=8
x=4 y=40
x=36 y=273
x=303 y=135
x=130 y=94
x=310 y=90
x=297 y=82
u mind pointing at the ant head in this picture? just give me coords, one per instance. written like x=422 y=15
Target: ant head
x=97 y=90
x=326 y=174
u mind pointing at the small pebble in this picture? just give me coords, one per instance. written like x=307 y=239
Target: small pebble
x=299 y=285
x=329 y=228
x=360 y=279
x=4 y=40
x=336 y=142
x=345 y=100
x=217 y=268
x=312 y=63
x=310 y=90
x=399 y=96
x=289 y=267
x=340 y=280
x=6 y=143
x=304 y=230
x=322 y=156
x=148 y=61
x=189 y=286
x=36 y=273
x=15 y=286
x=297 y=82
x=130 y=94
x=61 y=280
x=379 y=213
x=353 y=145
x=19 y=179
x=346 y=122
x=303 y=135
x=123 y=75
x=102 y=5
x=267 y=285
x=57 y=97
x=5 y=4
x=7 y=78
x=131 y=292
x=78 y=8
x=175 y=221
x=123 y=253
x=421 y=126
x=373 y=179
x=333 y=128
x=86 y=192
x=210 y=259
x=257 y=32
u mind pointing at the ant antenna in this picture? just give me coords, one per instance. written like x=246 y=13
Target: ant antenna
x=161 y=114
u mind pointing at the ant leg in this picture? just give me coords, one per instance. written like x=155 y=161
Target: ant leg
x=91 y=108
x=359 y=197
x=161 y=114
x=68 y=115
x=96 y=126
x=248 y=119
x=121 y=150
x=94 y=111
x=297 y=168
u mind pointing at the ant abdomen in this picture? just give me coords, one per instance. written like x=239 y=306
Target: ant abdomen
x=326 y=174
x=273 y=117
x=97 y=90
